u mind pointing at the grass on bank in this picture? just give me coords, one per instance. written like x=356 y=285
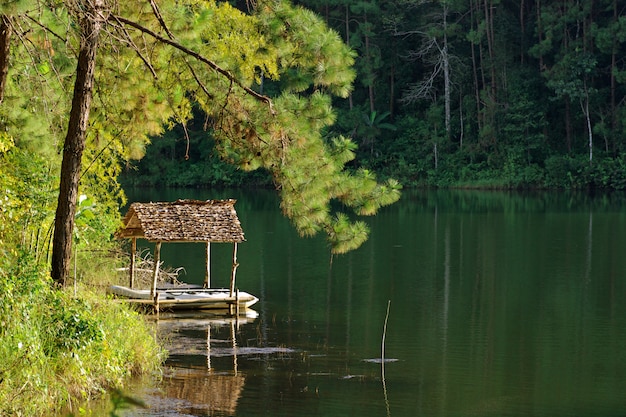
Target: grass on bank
x=58 y=349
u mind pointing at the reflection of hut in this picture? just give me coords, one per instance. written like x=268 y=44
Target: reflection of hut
x=204 y=388
x=207 y=391
x=183 y=221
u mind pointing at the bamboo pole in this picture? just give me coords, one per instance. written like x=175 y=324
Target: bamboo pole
x=157 y=260
x=207 y=277
x=133 y=252
x=233 y=271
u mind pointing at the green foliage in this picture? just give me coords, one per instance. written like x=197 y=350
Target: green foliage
x=566 y=172
x=57 y=348
x=72 y=326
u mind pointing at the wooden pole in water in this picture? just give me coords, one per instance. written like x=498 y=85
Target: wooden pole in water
x=207 y=277
x=208 y=347
x=133 y=251
x=155 y=275
x=233 y=271
x=233 y=337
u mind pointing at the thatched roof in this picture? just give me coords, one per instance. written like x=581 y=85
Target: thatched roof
x=183 y=221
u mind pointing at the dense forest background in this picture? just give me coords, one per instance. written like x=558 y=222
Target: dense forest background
x=476 y=93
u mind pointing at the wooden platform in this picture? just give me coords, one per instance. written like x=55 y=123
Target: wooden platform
x=186 y=297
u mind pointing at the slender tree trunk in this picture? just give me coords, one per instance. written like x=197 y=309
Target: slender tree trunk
x=475 y=73
x=613 y=81
x=568 y=125
x=446 y=70
x=490 y=45
x=522 y=32
x=539 y=32
x=461 y=122
x=370 y=87
x=5 y=49
x=392 y=92
x=584 y=104
x=91 y=24
x=350 y=103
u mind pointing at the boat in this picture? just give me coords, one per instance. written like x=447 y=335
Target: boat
x=186 y=297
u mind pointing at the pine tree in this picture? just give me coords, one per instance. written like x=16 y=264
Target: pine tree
x=140 y=69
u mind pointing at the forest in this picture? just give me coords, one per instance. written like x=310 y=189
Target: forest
x=369 y=96
x=85 y=85
x=471 y=93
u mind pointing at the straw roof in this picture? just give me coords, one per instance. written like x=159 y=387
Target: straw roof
x=183 y=221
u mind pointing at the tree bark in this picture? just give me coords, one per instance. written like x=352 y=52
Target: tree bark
x=475 y=72
x=91 y=23
x=446 y=70
x=347 y=22
x=5 y=49
x=370 y=87
x=489 y=30
x=568 y=125
x=614 y=53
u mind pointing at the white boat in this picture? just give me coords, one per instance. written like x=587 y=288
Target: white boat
x=186 y=297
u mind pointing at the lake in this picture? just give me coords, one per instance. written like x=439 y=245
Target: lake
x=490 y=304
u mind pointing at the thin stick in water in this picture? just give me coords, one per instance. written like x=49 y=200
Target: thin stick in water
x=382 y=360
x=382 y=353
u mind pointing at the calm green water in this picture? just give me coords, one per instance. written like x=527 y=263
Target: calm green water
x=499 y=305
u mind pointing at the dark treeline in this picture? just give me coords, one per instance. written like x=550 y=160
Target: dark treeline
x=511 y=94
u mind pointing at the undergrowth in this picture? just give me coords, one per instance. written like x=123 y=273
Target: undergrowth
x=58 y=349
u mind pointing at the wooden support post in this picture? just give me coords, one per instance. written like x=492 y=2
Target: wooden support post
x=156 y=303
x=133 y=253
x=157 y=261
x=207 y=277
x=233 y=271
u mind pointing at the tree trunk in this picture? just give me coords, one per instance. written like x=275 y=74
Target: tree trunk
x=392 y=92
x=475 y=74
x=350 y=103
x=489 y=30
x=5 y=43
x=446 y=70
x=370 y=87
x=568 y=125
x=522 y=32
x=91 y=24
x=614 y=53
x=539 y=34
x=584 y=104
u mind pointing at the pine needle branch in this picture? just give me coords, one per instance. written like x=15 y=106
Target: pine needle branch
x=199 y=57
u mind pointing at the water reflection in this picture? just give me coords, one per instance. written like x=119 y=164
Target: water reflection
x=501 y=305
x=191 y=388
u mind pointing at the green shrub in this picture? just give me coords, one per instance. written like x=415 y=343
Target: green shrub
x=566 y=172
x=58 y=349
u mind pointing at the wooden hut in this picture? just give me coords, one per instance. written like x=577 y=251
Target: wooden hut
x=183 y=221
